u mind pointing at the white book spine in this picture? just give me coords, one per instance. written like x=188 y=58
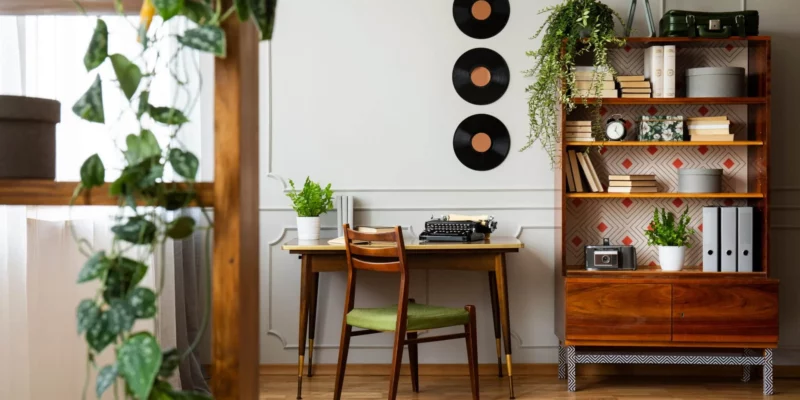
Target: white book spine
x=654 y=68
x=670 y=53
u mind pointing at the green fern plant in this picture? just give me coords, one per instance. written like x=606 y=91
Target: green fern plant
x=313 y=200
x=664 y=230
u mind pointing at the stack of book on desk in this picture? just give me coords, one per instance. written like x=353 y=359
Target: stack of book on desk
x=634 y=86
x=578 y=131
x=586 y=83
x=632 y=184
x=709 y=129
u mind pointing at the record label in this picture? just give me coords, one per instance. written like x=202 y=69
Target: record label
x=481 y=19
x=480 y=76
x=481 y=142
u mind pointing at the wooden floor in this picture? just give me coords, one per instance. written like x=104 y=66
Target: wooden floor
x=532 y=387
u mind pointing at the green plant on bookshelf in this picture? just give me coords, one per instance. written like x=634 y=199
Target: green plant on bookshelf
x=665 y=230
x=573 y=28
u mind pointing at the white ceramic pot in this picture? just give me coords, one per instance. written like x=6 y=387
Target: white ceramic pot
x=307 y=228
x=671 y=257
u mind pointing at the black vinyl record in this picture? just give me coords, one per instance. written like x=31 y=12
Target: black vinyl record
x=480 y=76
x=481 y=19
x=481 y=142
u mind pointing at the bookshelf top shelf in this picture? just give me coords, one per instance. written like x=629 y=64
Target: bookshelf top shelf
x=684 y=41
x=673 y=101
x=665 y=144
x=664 y=195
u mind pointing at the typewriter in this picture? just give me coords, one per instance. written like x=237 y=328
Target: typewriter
x=453 y=228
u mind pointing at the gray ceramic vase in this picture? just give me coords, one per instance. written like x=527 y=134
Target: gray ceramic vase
x=28 y=137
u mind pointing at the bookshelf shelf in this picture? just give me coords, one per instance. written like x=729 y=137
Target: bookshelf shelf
x=664 y=195
x=673 y=101
x=665 y=144
x=35 y=192
x=647 y=271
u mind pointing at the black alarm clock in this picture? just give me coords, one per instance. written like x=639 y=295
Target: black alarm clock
x=615 y=128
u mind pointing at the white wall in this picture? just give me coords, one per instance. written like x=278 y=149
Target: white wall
x=359 y=93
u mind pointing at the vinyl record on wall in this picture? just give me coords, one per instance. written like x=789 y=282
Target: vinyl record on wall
x=480 y=76
x=481 y=19
x=481 y=142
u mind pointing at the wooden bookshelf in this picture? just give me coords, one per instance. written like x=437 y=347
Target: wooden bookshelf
x=33 y=192
x=664 y=144
x=664 y=195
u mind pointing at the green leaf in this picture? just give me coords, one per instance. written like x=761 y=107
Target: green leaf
x=176 y=200
x=162 y=390
x=137 y=231
x=138 y=361
x=123 y=275
x=207 y=38
x=243 y=9
x=93 y=173
x=142 y=146
x=90 y=105
x=98 y=47
x=154 y=172
x=184 y=163
x=181 y=228
x=105 y=378
x=168 y=8
x=313 y=200
x=144 y=103
x=121 y=316
x=128 y=74
x=88 y=313
x=99 y=336
x=143 y=302
x=94 y=267
x=198 y=12
x=264 y=15
x=170 y=359
x=168 y=115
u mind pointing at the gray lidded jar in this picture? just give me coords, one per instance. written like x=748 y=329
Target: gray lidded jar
x=700 y=180
x=28 y=137
x=715 y=82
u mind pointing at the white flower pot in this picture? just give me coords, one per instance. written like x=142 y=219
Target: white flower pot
x=671 y=257
x=307 y=228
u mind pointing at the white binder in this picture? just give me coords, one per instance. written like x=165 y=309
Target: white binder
x=727 y=241
x=744 y=252
x=710 y=239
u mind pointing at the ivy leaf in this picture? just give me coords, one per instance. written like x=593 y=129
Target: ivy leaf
x=138 y=361
x=94 y=267
x=184 y=163
x=137 y=231
x=198 y=12
x=99 y=336
x=98 y=46
x=143 y=302
x=128 y=74
x=168 y=8
x=154 y=171
x=123 y=275
x=168 y=115
x=162 y=390
x=90 y=106
x=207 y=38
x=121 y=316
x=93 y=172
x=140 y=147
x=181 y=228
x=243 y=9
x=105 y=378
x=170 y=359
x=144 y=103
x=263 y=12
x=176 y=200
x=88 y=314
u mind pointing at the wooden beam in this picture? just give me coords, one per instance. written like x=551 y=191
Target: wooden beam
x=40 y=192
x=235 y=342
x=65 y=7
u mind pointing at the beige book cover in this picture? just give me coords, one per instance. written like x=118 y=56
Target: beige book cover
x=646 y=189
x=594 y=173
x=635 y=95
x=712 y=138
x=643 y=84
x=584 y=128
x=630 y=183
x=714 y=118
x=637 y=90
x=587 y=172
x=570 y=178
x=590 y=85
x=709 y=132
x=631 y=177
x=609 y=93
x=630 y=78
x=569 y=134
x=576 y=172
x=579 y=123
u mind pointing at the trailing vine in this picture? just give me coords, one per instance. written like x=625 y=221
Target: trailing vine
x=149 y=208
x=573 y=28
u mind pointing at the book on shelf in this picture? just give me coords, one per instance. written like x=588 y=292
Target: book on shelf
x=590 y=76
x=570 y=177
x=670 y=52
x=578 y=128
x=701 y=125
x=654 y=69
x=649 y=177
x=631 y=183
x=635 y=95
x=630 y=78
x=708 y=132
x=590 y=85
x=712 y=138
x=375 y=229
x=702 y=119
x=578 y=123
x=633 y=189
x=587 y=173
x=633 y=84
x=569 y=133
x=576 y=172
x=579 y=139
x=637 y=90
x=605 y=93
x=594 y=173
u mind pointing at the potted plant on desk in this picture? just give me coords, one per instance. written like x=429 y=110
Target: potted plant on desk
x=671 y=237
x=309 y=203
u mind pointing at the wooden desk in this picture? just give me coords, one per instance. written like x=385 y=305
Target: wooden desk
x=488 y=255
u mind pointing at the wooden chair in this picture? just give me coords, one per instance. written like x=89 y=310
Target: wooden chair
x=405 y=319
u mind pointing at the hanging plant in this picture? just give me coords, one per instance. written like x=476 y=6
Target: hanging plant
x=143 y=225
x=573 y=28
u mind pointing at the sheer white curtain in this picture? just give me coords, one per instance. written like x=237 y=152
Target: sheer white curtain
x=41 y=356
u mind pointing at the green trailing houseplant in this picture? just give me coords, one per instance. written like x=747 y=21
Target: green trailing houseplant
x=665 y=230
x=148 y=207
x=573 y=28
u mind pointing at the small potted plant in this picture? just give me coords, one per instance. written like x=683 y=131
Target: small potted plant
x=671 y=237
x=309 y=204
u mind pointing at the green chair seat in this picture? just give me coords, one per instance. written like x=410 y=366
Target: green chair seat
x=420 y=317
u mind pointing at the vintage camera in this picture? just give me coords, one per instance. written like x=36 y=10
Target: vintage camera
x=610 y=258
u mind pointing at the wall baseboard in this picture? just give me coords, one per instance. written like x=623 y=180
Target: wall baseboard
x=781 y=371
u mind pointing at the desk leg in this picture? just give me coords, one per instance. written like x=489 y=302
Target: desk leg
x=496 y=320
x=305 y=286
x=502 y=294
x=312 y=320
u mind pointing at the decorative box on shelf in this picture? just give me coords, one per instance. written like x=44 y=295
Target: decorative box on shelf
x=661 y=128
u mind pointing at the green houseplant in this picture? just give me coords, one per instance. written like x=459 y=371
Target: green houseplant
x=671 y=236
x=149 y=208
x=573 y=28
x=309 y=203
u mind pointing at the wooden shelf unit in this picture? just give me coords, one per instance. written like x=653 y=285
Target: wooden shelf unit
x=36 y=192
x=632 y=308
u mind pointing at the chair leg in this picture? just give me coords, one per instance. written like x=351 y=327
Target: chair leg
x=472 y=352
x=413 y=360
x=397 y=361
x=344 y=348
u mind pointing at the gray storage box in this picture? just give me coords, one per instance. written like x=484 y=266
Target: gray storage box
x=715 y=82
x=28 y=137
x=699 y=180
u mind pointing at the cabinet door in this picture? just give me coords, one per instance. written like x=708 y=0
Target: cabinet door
x=738 y=313
x=618 y=311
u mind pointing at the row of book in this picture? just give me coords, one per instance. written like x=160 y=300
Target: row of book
x=630 y=86
x=709 y=129
x=659 y=68
x=632 y=184
x=578 y=131
x=581 y=175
